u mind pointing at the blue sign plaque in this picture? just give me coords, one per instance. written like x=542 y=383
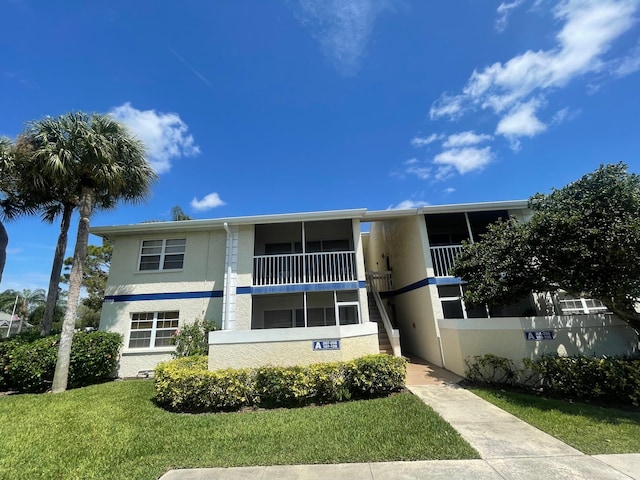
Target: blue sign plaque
x=538 y=335
x=325 y=345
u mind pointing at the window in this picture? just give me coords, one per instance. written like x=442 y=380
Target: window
x=152 y=329
x=321 y=317
x=453 y=306
x=570 y=305
x=162 y=254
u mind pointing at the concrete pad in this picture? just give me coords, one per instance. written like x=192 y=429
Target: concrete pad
x=421 y=372
x=351 y=471
x=507 y=439
x=557 y=468
x=434 y=470
x=237 y=473
x=628 y=463
x=465 y=409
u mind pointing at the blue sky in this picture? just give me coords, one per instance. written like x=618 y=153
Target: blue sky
x=257 y=107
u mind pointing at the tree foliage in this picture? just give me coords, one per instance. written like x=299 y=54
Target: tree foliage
x=583 y=238
x=97 y=161
x=27 y=301
x=95 y=273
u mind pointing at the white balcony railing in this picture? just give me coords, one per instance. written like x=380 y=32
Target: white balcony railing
x=381 y=280
x=443 y=259
x=321 y=267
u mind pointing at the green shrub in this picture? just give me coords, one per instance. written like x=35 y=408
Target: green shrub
x=94 y=358
x=6 y=352
x=29 y=367
x=376 y=375
x=32 y=365
x=615 y=379
x=185 y=384
x=192 y=339
x=602 y=379
x=491 y=369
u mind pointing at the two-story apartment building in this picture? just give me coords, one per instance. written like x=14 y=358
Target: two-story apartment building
x=282 y=289
x=417 y=251
x=292 y=289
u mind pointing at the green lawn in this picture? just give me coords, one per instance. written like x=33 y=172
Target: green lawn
x=115 y=431
x=591 y=429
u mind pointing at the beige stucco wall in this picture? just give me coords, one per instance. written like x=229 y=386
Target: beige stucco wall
x=203 y=271
x=579 y=334
x=116 y=317
x=289 y=346
x=203 y=265
x=132 y=363
x=405 y=241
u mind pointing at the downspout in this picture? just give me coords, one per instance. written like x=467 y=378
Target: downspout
x=227 y=286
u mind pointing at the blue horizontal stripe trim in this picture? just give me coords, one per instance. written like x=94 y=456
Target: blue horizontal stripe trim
x=303 y=287
x=422 y=283
x=163 y=296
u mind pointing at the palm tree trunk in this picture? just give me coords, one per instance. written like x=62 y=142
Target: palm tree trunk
x=56 y=270
x=61 y=376
x=4 y=241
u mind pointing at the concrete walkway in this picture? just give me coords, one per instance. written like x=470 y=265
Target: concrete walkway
x=510 y=448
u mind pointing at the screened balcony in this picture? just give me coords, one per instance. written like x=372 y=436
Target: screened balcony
x=304 y=252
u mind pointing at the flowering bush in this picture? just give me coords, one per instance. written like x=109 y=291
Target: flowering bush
x=192 y=339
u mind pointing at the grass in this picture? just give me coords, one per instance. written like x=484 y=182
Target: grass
x=591 y=429
x=115 y=431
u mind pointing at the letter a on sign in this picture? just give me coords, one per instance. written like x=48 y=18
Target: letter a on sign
x=317 y=345
x=531 y=336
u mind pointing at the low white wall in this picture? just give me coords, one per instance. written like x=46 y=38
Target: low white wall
x=505 y=337
x=136 y=360
x=289 y=346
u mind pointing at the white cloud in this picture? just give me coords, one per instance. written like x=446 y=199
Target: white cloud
x=414 y=167
x=408 y=204
x=464 y=160
x=464 y=139
x=504 y=10
x=164 y=134
x=629 y=64
x=208 y=202
x=588 y=30
x=447 y=106
x=449 y=190
x=564 y=115
x=342 y=27
x=422 y=141
x=521 y=122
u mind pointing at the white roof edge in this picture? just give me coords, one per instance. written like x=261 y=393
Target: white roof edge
x=208 y=224
x=479 y=206
x=357 y=213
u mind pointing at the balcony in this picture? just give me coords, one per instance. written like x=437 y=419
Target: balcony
x=443 y=259
x=296 y=268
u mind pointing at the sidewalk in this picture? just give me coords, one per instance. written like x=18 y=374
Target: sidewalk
x=509 y=448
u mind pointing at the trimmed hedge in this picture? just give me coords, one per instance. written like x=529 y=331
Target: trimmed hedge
x=28 y=366
x=601 y=379
x=185 y=384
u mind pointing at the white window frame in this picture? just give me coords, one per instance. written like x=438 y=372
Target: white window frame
x=583 y=309
x=162 y=254
x=154 y=328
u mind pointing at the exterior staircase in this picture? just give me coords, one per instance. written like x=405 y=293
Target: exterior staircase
x=374 y=316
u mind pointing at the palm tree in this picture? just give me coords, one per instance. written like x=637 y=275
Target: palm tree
x=102 y=163
x=13 y=201
x=28 y=300
x=6 y=166
x=44 y=141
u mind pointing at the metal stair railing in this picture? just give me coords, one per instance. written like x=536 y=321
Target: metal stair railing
x=392 y=333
